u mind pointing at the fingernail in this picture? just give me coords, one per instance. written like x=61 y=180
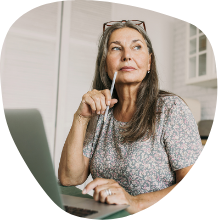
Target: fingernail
x=102 y=113
x=108 y=103
x=84 y=191
x=98 y=112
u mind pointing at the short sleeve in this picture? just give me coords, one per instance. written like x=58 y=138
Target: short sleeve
x=89 y=141
x=181 y=136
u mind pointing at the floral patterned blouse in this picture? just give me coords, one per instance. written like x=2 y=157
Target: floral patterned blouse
x=145 y=165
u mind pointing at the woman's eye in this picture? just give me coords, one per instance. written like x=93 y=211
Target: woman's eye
x=137 y=47
x=116 y=48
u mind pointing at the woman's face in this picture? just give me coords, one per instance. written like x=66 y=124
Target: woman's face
x=128 y=56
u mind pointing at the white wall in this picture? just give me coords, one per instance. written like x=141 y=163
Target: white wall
x=160 y=29
x=29 y=64
x=206 y=96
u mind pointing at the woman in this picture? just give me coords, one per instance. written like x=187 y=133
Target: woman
x=149 y=140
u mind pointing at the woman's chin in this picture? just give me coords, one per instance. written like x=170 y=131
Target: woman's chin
x=129 y=82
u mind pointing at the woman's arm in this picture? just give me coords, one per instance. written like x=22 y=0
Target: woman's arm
x=144 y=201
x=73 y=166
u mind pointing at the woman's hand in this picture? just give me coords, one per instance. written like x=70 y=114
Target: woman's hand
x=118 y=194
x=95 y=102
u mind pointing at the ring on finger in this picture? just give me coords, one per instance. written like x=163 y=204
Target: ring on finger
x=108 y=192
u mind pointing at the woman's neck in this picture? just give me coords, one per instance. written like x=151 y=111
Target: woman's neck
x=123 y=115
x=126 y=106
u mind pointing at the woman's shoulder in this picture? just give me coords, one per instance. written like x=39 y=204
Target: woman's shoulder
x=169 y=100
x=172 y=106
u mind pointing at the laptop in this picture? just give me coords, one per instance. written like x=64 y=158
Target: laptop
x=27 y=130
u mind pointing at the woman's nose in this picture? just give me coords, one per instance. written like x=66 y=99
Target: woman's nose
x=126 y=56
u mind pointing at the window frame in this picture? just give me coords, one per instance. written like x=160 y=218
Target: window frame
x=210 y=61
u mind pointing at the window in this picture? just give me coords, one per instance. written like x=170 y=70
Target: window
x=201 y=70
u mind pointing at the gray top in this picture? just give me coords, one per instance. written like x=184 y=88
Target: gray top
x=145 y=165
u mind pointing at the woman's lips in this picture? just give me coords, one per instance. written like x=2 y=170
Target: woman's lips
x=127 y=68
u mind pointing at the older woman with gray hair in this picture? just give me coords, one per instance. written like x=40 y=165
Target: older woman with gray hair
x=149 y=140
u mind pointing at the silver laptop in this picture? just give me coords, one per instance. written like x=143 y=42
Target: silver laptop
x=27 y=130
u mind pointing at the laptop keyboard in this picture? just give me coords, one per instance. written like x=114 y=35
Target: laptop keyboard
x=78 y=211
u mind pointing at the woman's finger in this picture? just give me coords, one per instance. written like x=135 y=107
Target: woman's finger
x=97 y=103
x=117 y=195
x=113 y=102
x=103 y=105
x=104 y=190
x=89 y=101
x=108 y=100
x=112 y=200
x=107 y=95
x=102 y=194
x=96 y=182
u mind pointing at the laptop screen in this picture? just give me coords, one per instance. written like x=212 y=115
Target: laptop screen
x=27 y=130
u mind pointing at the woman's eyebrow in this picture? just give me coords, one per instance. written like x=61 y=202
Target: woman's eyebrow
x=118 y=42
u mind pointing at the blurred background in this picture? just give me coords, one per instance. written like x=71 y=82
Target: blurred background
x=48 y=62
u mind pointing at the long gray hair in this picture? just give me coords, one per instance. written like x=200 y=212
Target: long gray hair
x=143 y=121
